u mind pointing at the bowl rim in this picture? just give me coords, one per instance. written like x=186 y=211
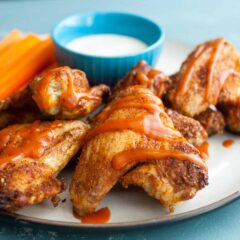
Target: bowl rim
x=151 y=47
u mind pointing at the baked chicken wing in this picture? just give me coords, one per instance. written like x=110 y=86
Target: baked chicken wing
x=191 y=129
x=65 y=93
x=198 y=83
x=133 y=134
x=229 y=101
x=144 y=75
x=31 y=155
x=212 y=120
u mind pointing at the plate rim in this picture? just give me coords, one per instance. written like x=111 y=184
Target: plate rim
x=133 y=224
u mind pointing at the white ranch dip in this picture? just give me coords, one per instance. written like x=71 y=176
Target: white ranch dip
x=107 y=45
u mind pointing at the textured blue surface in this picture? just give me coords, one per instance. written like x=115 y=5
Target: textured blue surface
x=106 y=69
x=186 y=20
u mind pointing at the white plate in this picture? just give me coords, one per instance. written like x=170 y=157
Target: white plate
x=133 y=207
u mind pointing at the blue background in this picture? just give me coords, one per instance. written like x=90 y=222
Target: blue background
x=186 y=20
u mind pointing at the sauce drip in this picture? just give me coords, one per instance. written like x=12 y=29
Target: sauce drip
x=203 y=149
x=228 y=143
x=18 y=141
x=71 y=95
x=124 y=158
x=213 y=47
x=103 y=215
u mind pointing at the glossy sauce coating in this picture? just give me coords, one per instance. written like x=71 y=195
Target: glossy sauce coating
x=214 y=47
x=228 y=143
x=103 y=215
x=122 y=159
x=19 y=141
x=71 y=95
x=149 y=124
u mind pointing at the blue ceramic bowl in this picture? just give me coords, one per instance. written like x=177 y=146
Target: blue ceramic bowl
x=106 y=69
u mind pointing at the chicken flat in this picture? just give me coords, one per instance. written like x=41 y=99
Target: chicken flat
x=132 y=134
x=65 y=93
x=31 y=155
x=198 y=83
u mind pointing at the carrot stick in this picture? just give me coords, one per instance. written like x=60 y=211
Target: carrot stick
x=9 y=40
x=16 y=53
x=27 y=68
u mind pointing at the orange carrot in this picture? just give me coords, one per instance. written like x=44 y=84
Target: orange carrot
x=9 y=40
x=16 y=53
x=26 y=69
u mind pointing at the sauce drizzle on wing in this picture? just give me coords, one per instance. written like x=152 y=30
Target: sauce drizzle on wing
x=150 y=123
x=19 y=141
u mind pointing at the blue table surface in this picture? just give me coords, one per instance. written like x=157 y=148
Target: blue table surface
x=185 y=20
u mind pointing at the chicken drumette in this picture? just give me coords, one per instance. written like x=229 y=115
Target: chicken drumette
x=65 y=93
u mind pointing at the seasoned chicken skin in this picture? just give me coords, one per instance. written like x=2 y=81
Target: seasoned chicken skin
x=144 y=75
x=190 y=128
x=212 y=120
x=19 y=100
x=134 y=129
x=65 y=93
x=198 y=83
x=229 y=101
x=31 y=155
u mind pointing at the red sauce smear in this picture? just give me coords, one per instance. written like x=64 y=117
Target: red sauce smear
x=203 y=149
x=215 y=48
x=103 y=215
x=18 y=141
x=228 y=143
x=71 y=95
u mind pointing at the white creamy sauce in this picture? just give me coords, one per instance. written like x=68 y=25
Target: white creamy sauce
x=107 y=45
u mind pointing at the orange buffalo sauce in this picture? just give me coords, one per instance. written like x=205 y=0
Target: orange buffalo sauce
x=124 y=158
x=71 y=95
x=203 y=149
x=148 y=123
x=228 y=143
x=101 y=216
x=214 y=47
x=18 y=141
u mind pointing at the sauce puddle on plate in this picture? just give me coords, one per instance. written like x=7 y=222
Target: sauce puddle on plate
x=107 y=45
x=103 y=215
x=228 y=143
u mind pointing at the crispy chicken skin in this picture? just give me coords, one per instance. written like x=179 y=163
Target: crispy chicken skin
x=65 y=93
x=229 y=101
x=17 y=116
x=198 y=83
x=19 y=100
x=212 y=120
x=31 y=155
x=145 y=75
x=95 y=175
x=190 y=128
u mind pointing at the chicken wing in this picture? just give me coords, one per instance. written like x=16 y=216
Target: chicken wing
x=198 y=83
x=144 y=75
x=191 y=129
x=133 y=131
x=229 y=101
x=30 y=157
x=65 y=93
x=212 y=120
x=20 y=100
